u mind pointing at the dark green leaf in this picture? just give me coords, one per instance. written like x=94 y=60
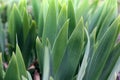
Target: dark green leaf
x=19 y=26
x=71 y=16
x=29 y=43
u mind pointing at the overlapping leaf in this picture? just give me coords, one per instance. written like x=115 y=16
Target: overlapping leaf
x=102 y=51
x=72 y=54
x=58 y=51
x=13 y=67
x=50 y=27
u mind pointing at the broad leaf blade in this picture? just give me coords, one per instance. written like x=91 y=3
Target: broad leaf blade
x=12 y=29
x=62 y=17
x=85 y=59
x=82 y=9
x=46 y=70
x=19 y=26
x=26 y=24
x=113 y=57
x=102 y=52
x=72 y=54
x=40 y=53
x=29 y=43
x=71 y=16
x=107 y=21
x=21 y=64
x=13 y=67
x=50 y=27
x=36 y=9
x=58 y=49
x=22 y=5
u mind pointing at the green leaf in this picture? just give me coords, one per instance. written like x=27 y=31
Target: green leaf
x=50 y=27
x=29 y=76
x=82 y=9
x=108 y=5
x=111 y=61
x=20 y=61
x=12 y=71
x=45 y=9
x=102 y=51
x=93 y=19
x=26 y=24
x=51 y=78
x=83 y=66
x=40 y=53
x=36 y=9
x=12 y=29
x=2 y=38
x=29 y=43
x=58 y=49
x=107 y=21
x=1 y=67
x=23 y=78
x=71 y=16
x=92 y=43
x=59 y=6
x=72 y=54
x=62 y=17
x=19 y=26
x=21 y=6
x=46 y=70
x=115 y=71
x=40 y=22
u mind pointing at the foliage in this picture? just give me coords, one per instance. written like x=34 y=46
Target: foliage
x=59 y=40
